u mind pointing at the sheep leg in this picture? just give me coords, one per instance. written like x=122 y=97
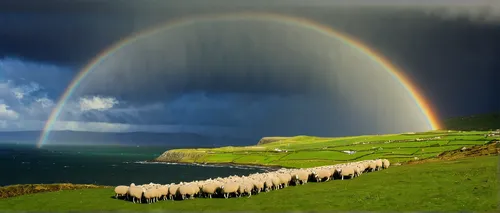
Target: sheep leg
x=249 y=195
x=133 y=199
x=342 y=177
x=210 y=196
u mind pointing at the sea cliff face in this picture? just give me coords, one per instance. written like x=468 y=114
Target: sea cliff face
x=179 y=156
x=266 y=140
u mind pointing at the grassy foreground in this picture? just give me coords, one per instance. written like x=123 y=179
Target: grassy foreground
x=468 y=184
x=23 y=189
x=307 y=151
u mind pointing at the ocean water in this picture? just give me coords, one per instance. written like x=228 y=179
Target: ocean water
x=106 y=165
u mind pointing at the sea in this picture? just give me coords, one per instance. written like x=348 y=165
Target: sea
x=104 y=165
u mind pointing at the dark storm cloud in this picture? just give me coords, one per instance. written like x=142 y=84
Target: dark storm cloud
x=446 y=58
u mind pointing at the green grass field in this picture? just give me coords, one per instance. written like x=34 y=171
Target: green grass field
x=307 y=151
x=468 y=184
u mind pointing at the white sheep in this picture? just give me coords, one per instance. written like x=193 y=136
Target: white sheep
x=285 y=179
x=209 y=189
x=185 y=190
x=300 y=176
x=385 y=163
x=228 y=188
x=121 y=191
x=172 y=191
x=136 y=193
x=379 y=164
x=150 y=195
x=323 y=174
x=347 y=171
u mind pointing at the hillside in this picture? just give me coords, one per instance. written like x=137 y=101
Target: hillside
x=485 y=122
x=308 y=151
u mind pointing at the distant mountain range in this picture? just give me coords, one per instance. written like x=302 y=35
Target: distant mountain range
x=126 y=138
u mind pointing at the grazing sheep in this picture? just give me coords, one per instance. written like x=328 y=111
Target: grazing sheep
x=300 y=176
x=285 y=179
x=247 y=185
x=361 y=168
x=245 y=188
x=196 y=190
x=163 y=192
x=209 y=189
x=185 y=190
x=268 y=184
x=172 y=191
x=228 y=188
x=259 y=185
x=136 y=193
x=121 y=191
x=276 y=182
x=323 y=174
x=385 y=163
x=372 y=166
x=347 y=171
x=149 y=195
x=379 y=164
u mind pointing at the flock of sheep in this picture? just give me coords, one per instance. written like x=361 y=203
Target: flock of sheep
x=246 y=185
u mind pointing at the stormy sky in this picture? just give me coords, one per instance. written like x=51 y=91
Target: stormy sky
x=246 y=77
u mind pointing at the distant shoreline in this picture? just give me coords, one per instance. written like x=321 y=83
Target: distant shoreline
x=227 y=165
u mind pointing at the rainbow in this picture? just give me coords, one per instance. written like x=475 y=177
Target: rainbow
x=423 y=105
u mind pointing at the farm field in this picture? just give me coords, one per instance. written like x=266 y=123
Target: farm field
x=307 y=151
x=467 y=184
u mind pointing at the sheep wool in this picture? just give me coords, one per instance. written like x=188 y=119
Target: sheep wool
x=121 y=191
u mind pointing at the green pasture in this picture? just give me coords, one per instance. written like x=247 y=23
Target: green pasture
x=465 y=185
x=308 y=151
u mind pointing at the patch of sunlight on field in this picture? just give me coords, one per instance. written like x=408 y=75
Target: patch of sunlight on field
x=321 y=151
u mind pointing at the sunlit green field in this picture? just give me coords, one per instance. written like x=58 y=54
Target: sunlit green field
x=306 y=151
x=468 y=184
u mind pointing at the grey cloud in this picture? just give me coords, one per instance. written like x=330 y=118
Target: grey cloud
x=345 y=90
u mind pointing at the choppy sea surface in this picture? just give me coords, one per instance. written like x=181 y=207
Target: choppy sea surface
x=105 y=165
